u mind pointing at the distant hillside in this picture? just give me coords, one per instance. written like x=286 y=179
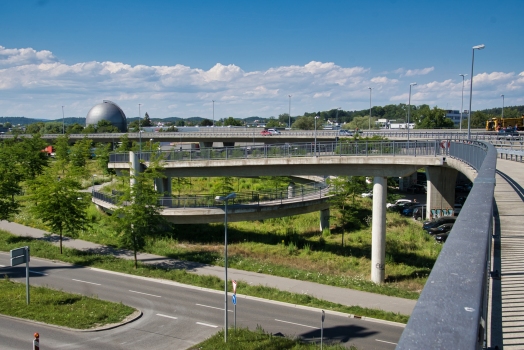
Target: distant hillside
x=20 y=120
x=498 y=111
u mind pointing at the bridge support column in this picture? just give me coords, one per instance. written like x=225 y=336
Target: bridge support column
x=135 y=167
x=441 y=190
x=205 y=144
x=324 y=219
x=229 y=144
x=378 y=230
x=168 y=192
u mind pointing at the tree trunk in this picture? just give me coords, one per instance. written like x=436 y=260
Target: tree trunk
x=136 y=265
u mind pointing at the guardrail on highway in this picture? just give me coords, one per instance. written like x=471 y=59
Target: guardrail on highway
x=286 y=150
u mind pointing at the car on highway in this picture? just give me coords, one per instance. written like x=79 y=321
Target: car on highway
x=345 y=132
x=274 y=132
x=437 y=222
x=508 y=135
x=265 y=133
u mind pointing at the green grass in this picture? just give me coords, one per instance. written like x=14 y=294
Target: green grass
x=245 y=339
x=59 y=308
x=42 y=249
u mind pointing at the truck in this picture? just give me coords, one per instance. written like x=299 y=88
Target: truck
x=495 y=124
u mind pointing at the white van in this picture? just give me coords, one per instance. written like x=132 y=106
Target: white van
x=273 y=131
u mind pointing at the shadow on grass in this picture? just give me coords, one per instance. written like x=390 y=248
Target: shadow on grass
x=338 y=334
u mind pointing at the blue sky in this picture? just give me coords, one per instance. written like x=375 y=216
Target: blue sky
x=175 y=57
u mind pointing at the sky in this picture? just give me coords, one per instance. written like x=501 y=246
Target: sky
x=175 y=58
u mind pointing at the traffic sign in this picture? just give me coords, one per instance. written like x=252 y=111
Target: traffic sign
x=17 y=252
x=234 y=299
x=234 y=286
x=18 y=260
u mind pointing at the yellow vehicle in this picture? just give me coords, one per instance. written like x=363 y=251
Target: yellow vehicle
x=493 y=123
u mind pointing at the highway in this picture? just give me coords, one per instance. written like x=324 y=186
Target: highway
x=175 y=316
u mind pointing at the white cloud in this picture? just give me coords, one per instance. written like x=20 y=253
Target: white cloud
x=36 y=84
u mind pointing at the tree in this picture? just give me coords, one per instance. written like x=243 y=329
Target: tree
x=206 y=122
x=426 y=118
x=10 y=178
x=105 y=127
x=223 y=186
x=62 y=151
x=272 y=123
x=232 y=122
x=139 y=213
x=125 y=145
x=74 y=129
x=61 y=205
x=478 y=119
x=306 y=123
x=34 y=128
x=27 y=152
x=102 y=152
x=80 y=153
x=146 y=121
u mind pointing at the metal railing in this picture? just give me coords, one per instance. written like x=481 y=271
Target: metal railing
x=451 y=312
x=299 y=193
x=287 y=150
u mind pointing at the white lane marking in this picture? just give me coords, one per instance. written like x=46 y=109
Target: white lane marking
x=298 y=324
x=173 y=317
x=38 y=273
x=206 y=324
x=151 y=295
x=96 y=284
x=383 y=341
x=213 y=307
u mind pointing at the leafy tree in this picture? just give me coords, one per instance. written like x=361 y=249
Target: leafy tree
x=125 y=145
x=102 y=157
x=478 y=119
x=10 y=178
x=80 y=153
x=62 y=151
x=223 y=186
x=178 y=183
x=105 y=127
x=426 y=118
x=61 y=205
x=8 y=125
x=27 y=152
x=89 y=129
x=146 y=121
x=74 y=129
x=171 y=129
x=306 y=123
x=34 y=128
x=206 y=122
x=180 y=122
x=232 y=121
x=139 y=213
x=272 y=123
x=53 y=128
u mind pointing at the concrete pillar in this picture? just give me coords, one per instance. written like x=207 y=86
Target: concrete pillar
x=441 y=190
x=159 y=186
x=205 y=144
x=229 y=144
x=378 y=230
x=324 y=219
x=291 y=188
x=135 y=166
x=168 y=192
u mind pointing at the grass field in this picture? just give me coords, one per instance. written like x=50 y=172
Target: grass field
x=59 y=308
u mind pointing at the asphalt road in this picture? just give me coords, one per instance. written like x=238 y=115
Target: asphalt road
x=175 y=316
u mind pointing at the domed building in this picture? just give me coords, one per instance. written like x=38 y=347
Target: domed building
x=108 y=111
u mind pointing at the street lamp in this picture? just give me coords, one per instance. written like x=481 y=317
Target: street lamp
x=150 y=145
x=139 y=132
x=502 y=106
x=370 y=107
x=462 y=104
x=336 y=117
x=225 y=199
x=478 y=47
x=409 y=104
x=289 y=114
x=213 y=112
x=316 y=117
x=63 y=121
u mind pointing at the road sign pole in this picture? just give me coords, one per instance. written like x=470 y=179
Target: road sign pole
x=235 y=317
x=27 y=274
x=322 y=329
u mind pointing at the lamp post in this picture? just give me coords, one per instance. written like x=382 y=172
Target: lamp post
x=225 y=199
x=502 y=106
x=316 y=117
x=409 y=104
x=213 y=112
x=370 y=107
x=63 y=121
x=150 y=145
x=478 y=47
x=336 y=117
x=139 y=132
x=462 y=104
x=289 y=114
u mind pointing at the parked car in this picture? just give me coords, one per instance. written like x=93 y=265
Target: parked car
x=398 y=201
x=410 y=210
x=401 y=206
x=344 y=132
x=274 y=131
x=441 y=229
x=437 y=222
x=419 y=213
x=367 y=194
x=441 y=237
x=265 y=133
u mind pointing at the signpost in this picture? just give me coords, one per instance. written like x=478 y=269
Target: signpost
x=20 y=256
x=322 y=329
x=234 y=300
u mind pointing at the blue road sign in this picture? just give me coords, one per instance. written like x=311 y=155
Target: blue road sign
x=234 y=299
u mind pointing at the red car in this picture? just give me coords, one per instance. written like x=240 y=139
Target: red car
x=265 y=133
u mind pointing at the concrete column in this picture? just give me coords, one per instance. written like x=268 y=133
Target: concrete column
x=324 y=219
x=441 y=190
x=378 y=230
x=135 y=166
x=168 y=192
x=159 y=186
x=291 y=190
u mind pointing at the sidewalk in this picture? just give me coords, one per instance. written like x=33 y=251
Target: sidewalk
x=339 y=295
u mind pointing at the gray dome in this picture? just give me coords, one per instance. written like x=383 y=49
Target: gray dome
x=107 y=111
